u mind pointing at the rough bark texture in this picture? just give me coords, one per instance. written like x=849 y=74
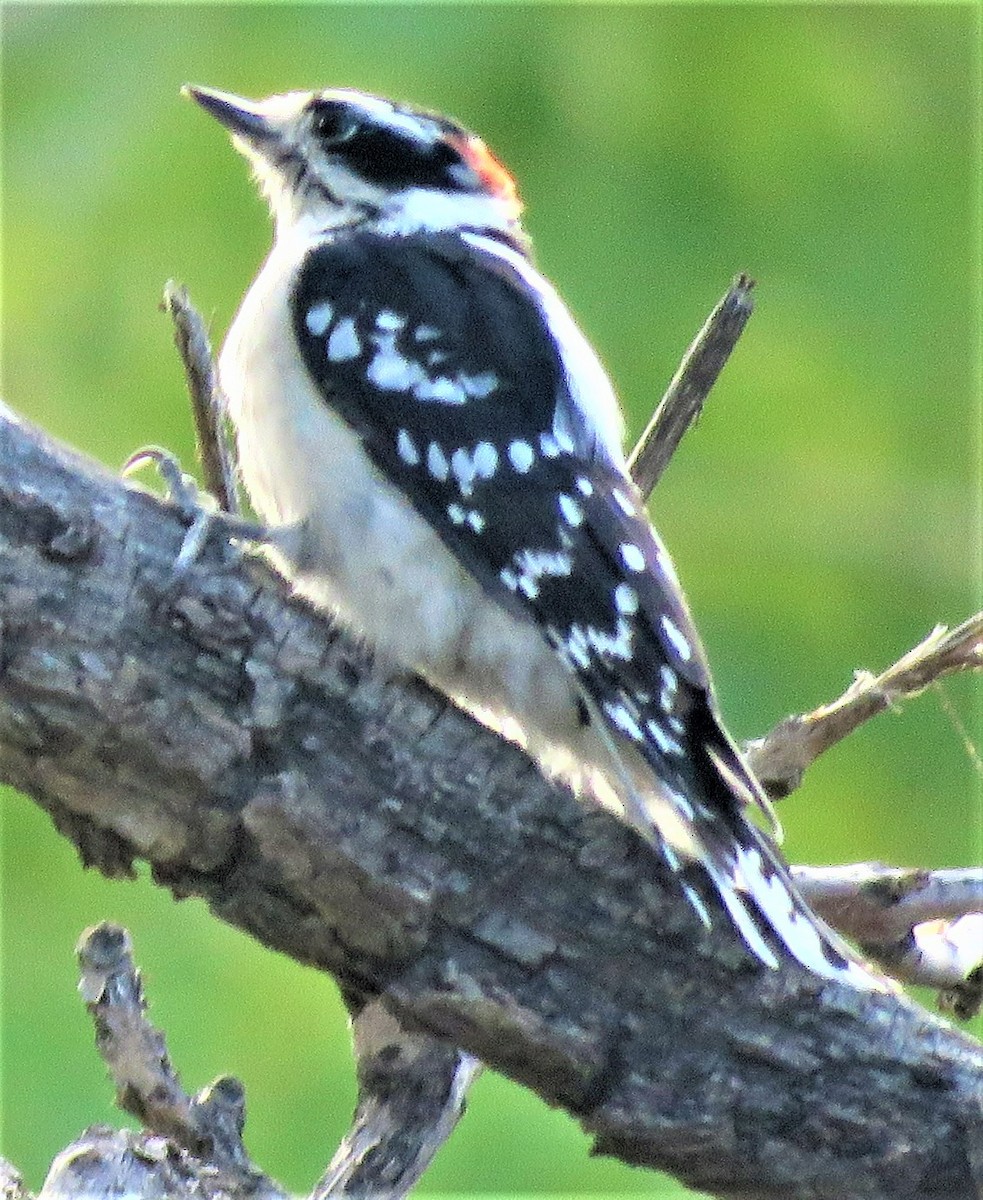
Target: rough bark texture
x=232 y=739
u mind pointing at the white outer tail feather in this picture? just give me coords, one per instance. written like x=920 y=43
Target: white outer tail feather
x=754 y=887
x=763 y=879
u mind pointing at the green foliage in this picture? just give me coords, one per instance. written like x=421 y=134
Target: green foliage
x=824 y=514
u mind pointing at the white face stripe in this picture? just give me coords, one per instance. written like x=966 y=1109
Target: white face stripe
x=428 y=209
x=384 y=112
x=590 y=388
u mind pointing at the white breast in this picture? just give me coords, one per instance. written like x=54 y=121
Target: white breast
x=356 y=545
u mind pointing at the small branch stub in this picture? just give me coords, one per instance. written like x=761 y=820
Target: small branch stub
x=688 y=389
x=207 y=1126
x=207 y=406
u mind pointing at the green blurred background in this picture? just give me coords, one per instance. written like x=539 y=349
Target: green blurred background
x=824 y=513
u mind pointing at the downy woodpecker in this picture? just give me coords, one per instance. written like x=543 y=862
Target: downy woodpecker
x=439 y=450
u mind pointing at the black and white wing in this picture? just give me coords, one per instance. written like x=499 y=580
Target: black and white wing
x=475 y=394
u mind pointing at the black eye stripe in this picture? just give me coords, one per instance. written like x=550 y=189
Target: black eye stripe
x=391 y=158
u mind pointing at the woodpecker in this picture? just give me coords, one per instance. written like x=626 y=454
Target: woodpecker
x=437 y=452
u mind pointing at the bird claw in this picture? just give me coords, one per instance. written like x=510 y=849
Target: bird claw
x=197 y=508
x=180 y=488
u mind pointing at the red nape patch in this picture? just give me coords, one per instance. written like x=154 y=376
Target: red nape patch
x=489 y=170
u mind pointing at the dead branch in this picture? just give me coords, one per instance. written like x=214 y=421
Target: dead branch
x=923 y=927
x=780 y=759
x=207 y=409
x=688 y=389
x=247 y=751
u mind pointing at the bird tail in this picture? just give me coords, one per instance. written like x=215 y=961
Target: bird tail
x=755 y=884
x=716 y=841
x=763 y=902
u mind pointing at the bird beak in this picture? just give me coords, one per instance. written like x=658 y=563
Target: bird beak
x=243 y=118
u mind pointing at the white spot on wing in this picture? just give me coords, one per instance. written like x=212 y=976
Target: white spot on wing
x=626 y=599
x=622 y=719
x=571 y=511
x=479 y=386
x=437 y=463
x=389 y=321
x=632 y=556
x=485 y=460
x=406 y=449
x=667 y=744
x=392 y=371
x=584 y=486
x=548 y=446
x=670 y=682
x=443 y=389
x=534 y=565
x=575 y=644
x=615 y=645
x=463 y=467
x=676 y=639
x=562 y=431
x=538 y=563
x=319 y=318
x=521 y=456
x=343 y=344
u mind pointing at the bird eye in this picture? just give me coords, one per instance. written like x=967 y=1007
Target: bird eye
x=332 y=123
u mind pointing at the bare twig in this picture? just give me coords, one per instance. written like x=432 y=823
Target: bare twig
x=875 y=904
x=191 y=339
x=923 y=927
x=411 y=1094
x=208 y=1126
x=780 y=759
x=684 y=398
x=964 y=998
x=111 y=1164
x=12 y=1183
x=941 y=954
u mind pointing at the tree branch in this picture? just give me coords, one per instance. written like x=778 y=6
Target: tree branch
x=780 y=759
x=208 y=1126
x=207 y=405
x=924 y=927
x=411 y=1093
x=688 y=389
x=244 y=748
x=11 y=1183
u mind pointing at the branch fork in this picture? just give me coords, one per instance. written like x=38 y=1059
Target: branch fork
x=423 y=909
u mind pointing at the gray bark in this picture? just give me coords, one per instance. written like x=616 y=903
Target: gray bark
x=208 y=724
